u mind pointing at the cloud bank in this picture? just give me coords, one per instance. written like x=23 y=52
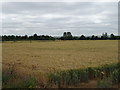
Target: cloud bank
x=54 y=18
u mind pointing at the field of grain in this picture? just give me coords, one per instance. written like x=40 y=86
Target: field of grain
x=46 y=56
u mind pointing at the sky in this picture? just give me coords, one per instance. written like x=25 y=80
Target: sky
x=54 y=18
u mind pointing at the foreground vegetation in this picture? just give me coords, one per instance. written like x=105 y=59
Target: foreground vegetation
x=106 y=76
x=76 y=76
x=45 y=64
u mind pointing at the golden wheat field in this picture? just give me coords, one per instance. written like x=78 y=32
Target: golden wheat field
x=45 y=56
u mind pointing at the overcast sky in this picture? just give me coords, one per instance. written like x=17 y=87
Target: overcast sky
x=50 y=18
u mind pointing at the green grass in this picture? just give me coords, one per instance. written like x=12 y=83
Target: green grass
x=65 y=78
x=76 y=76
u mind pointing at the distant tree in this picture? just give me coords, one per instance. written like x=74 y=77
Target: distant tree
x=112 y=36
x=64 y=34
x=31 y=38
x=11 y=38
x=93 y=37
x=101 y=38
x=87 y=38
x=64 y=37
x=82 y=37
x=0 y=38
x=18 y=37
x=67 y=36
x=75 y=38
x=96 y=38
x=35 y=37
x=26 y=37
x=104 y=36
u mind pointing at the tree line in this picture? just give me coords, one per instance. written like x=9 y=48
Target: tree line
x=104 y=36
x=66 y=36
x=26 y=37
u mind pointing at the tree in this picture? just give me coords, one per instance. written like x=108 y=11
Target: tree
x=87 y=38
x=104 y=36
x=93 y=37
x=75 y=38
x=112 y=36
x=24 y=37
x=82 y=37
x=64 y=34
x=67 y=36
x=96 y=38
x=35 y=37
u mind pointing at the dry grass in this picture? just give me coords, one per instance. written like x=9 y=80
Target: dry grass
x=46 y=56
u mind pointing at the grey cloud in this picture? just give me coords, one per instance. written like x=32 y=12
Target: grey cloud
x=55 y=18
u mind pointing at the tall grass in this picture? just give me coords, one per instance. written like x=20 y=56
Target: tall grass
x=106 y=76
x=77 y=76
x=11 y=79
